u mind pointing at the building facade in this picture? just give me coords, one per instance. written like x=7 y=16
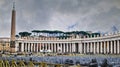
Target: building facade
x=107 y=44
x=4 y=44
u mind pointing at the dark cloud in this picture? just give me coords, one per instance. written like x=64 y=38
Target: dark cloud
x=105 y=20
x=90 y=15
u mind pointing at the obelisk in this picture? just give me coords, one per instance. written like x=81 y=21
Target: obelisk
x=13 y=29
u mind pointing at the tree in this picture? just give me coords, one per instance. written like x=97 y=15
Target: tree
x=57 y=32
x=36 y=32
x=24 y=34
x=17 y=36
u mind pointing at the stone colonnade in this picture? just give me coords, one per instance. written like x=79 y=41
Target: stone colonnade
x=54 y=47
x=102 y=47
x=84 y=47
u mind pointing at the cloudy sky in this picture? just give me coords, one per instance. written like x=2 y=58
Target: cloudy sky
x=64 y=15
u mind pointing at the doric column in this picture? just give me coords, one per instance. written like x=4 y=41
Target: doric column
x=73 y=47
x=91 y=47
x=63 y=47
x=84 y=48
x=55 y=49
x=87 y=45
x=37 y=46
x=80 y=47
x=101 y=47
x=22 y=47
x=58 y=47
x=48 y=46
x=108 y=47
x=34 y=47
x=118 y=46
x=104 y=47
x=114 y=46
x=52 y=47
x=31 y=47
x=69 y=47
x=45 y=46
x=83 y=44
x=28 y=47
x=111 y=47
x=94 y=47
x=25 y=47
x=97 y=47
x=66 y=47
x=42 y=46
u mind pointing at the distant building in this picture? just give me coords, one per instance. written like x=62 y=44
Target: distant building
x=4 y=44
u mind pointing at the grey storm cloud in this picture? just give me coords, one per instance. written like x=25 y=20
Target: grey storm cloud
x=65 y=15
